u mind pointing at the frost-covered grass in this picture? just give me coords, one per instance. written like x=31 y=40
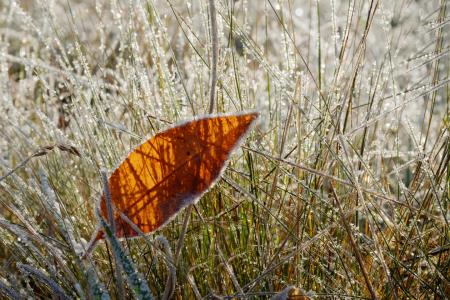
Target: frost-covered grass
x=369 y=118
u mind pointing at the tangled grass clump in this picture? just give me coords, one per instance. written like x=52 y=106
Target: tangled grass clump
x=342 y=189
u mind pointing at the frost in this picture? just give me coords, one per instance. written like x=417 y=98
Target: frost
x=137 y=282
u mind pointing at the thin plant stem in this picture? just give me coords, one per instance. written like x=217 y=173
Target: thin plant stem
x=170 y=285
x=353 y=243
x=52 y=284
x=228 y=269
x=182 y=234
x=40 y=152
x=9 y=291
x=298 y=96
x=368 y=217
x=215 y=55
x=112 y=225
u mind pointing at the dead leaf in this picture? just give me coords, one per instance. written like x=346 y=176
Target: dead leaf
x=172 y=170
x=294 y=294
x=289 y=293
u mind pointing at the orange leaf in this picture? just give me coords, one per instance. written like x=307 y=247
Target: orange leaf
x=172 y=170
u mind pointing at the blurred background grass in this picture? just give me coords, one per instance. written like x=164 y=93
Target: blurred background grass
x=103 y=76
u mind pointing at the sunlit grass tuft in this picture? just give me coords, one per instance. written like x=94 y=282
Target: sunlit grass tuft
x=82 y=83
